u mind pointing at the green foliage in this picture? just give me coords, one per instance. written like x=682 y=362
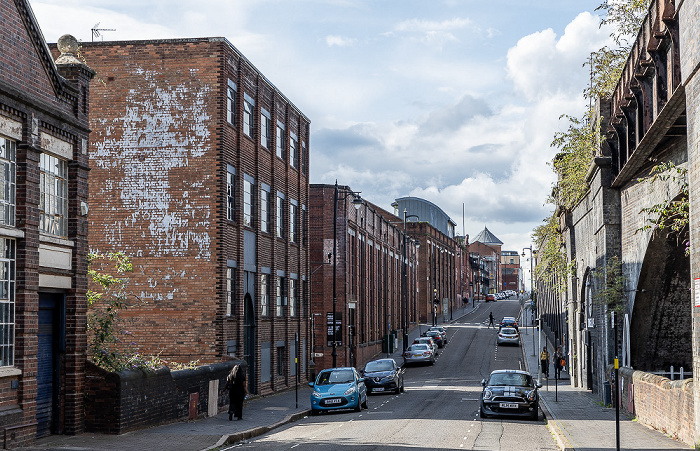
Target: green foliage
x=576 y=149
x=552 y=268
x=626 y=16
x=671 y=216
x=610 y=285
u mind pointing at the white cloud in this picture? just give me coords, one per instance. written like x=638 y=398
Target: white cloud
x=415 y=25
x=540 y=65
x=339 y=41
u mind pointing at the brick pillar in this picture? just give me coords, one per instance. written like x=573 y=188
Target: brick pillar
x=689 y=21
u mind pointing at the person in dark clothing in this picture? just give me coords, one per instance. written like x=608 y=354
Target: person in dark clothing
x=237 y=390
x=491 y=320
x=544 y=362
x=557 y=360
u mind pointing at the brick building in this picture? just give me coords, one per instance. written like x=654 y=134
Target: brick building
x=510 y=271
x=369 y=278
x=439 y=284
x=200 y=175
x=487 y=247
x=43 y=230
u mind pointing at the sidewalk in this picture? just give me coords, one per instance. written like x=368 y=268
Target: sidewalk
x=577 y=419
x=259 y=416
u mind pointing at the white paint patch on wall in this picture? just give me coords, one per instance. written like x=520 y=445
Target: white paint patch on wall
x=163 y=129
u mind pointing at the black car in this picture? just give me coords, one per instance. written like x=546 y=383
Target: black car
x=437 y=337
x=383 y=375
x=510 y=393
x=509 y=321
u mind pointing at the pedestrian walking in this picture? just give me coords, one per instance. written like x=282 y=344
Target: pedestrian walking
x=558 y=362
x=491 y=320
x=544 y=362
x=237 y=391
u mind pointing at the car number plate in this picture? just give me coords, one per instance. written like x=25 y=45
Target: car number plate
x=378 y=389
x=417 y=355
x=508 y=405
x=333 y=401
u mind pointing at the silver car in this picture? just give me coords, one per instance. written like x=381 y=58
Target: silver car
x=428 y=341
x=419 y=353
x=442 y=331
x=508 y=336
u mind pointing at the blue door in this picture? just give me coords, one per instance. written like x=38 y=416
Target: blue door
x=49 y=347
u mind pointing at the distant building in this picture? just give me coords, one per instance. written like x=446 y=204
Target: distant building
x=510 y=271
x=440 y=282
x=488 y=248
x=43 y=231
x=200 y=174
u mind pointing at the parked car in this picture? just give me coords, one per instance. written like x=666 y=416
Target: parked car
x=419 y=353
x=429 y=341
x=436 y=336
x=383 y=375
x=338 y=388
x=490 y=297
x=508 y=336
x=442 y=331
x=509 y=321
x=511 y=393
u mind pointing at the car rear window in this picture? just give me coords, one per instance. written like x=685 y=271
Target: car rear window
x=418 y=347
x=508 y=330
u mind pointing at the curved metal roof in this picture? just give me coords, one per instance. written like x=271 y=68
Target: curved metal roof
x=426 y=212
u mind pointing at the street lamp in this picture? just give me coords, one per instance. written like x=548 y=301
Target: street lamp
x=404 y=281
x=539 y=319
x=356 y=201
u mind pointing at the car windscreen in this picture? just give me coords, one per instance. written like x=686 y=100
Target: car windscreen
x=380 y=365
x=335 y=377
x=511 y=379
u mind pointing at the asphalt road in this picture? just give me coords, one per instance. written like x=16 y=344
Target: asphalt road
x=439 y=410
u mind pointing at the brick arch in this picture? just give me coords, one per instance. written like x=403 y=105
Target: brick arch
x=661 y=328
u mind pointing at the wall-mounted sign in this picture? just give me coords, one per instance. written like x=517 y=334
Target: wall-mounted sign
x=338 y=329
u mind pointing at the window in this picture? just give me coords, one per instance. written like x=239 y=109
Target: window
x=230 y=281
x=7 y=302
x=293 y=295
x=304 y=226
x=8 y=171
x=280 y=296
x=303 y=159
x=265 y=208
x=231 y=102
x=53 y=201
x=248 y=117
x=248 y=205
x=280 y=215
x=293 y=221
x=231 y=193
x=264 y=295
x=279 y=141
x=280 y=361
x=293 y=150
x=265 y=132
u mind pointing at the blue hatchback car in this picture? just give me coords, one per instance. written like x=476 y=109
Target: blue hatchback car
x=338 y=388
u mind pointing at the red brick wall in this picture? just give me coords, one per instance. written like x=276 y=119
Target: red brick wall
x=660 y=403
x=159 y=182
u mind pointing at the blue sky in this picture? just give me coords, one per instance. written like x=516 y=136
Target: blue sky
x=455 y=101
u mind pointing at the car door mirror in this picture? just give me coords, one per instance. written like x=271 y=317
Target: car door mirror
x=311 y=384
x=539 y=385
x=483 y=382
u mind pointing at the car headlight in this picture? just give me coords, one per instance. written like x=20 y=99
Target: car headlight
x=532 y=395
x=487 y=394
x=350 y=390
x=316 y=394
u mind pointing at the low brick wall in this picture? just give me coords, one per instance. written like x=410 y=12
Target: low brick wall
x=660 y=403
x=116 y=403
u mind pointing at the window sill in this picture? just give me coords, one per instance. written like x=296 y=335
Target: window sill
x=11 y=231
x=8 y=371
x=44 y=237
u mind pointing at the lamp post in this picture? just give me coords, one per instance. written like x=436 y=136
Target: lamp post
x=532 y=305
x=404 y=282
x=357 y=201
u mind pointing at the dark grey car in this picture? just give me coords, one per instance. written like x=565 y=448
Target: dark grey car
x=510 y=393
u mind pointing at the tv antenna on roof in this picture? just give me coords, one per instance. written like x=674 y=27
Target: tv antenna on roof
x=96 y=31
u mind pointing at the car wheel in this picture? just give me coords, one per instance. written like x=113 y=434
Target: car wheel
x=536 y=414
x=314 y=412
x=358 y=408
x=364 y=404
x=403 y=387
x=482 y=414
